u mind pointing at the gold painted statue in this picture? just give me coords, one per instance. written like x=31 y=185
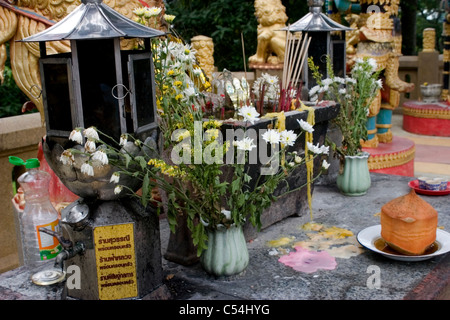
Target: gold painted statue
x=376 y=35
x=271 y=16
x=22 y=18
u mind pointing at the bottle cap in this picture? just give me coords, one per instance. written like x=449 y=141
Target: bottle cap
x=32 y=163
x=29 y=164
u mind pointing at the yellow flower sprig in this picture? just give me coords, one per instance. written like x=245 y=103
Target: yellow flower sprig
x=168 y=170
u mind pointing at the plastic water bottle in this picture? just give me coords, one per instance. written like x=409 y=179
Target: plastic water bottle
x=38 y=247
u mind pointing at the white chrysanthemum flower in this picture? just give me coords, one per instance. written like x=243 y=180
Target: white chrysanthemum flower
x=152 y=12
x=91 y=133
x=342 y=91
x=189 y=92
x=373 y=64
x=115 y=177
x=139 y=11
x=271 y=136
x=316 y=149
x=118 y=189
x=197 y=72
x=76 y=136
x=325 y=164
x=305 y=126
x=90 y=146
x=339 y=80
x=298 y=159
x=101 y=156
x=86 y=168
x=123 y=139
x=327 y=82
x=67 y=157
x=249 y=114
x=314 y=90
x=350 y=80
x=379 y=83
x=288 y=137
x=169 y=18
x=245 y=144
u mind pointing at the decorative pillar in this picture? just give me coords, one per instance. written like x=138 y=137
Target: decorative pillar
x=205 y=53
x=446 y=56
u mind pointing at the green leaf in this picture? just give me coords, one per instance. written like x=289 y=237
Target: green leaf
x=142 y=162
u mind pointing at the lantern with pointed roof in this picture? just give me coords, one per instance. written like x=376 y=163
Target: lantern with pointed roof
x=97 y=84
x=327 y=38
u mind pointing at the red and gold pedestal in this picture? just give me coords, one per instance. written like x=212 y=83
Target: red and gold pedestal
x=396 y=157
x=431 y=119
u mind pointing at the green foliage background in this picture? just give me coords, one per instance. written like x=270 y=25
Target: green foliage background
x=11 y=97
x=224 y=21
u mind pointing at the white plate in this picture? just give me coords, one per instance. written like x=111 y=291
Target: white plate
x=369 y=235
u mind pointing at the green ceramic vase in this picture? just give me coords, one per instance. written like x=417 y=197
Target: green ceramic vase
x=355 y=178
x=227 y=252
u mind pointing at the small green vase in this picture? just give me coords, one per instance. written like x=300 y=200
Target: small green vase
x=355 y=178
x=227 y=252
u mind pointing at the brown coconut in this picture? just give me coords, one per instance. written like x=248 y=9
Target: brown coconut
x=408 y=224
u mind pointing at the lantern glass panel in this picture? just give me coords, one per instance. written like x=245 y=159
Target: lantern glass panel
x=318 y=50
x=57 y=82
x=141 y=81
x=97 y=70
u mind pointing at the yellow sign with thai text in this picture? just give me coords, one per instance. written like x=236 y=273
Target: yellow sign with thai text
x=116 y=261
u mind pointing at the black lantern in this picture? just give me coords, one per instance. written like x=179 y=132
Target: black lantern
x=327 y=38
x=97 y=83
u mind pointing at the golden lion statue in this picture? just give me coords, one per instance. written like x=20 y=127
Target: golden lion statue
x=271 y=16
x=22 y=18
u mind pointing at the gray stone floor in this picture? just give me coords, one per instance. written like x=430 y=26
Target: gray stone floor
x=267 y=279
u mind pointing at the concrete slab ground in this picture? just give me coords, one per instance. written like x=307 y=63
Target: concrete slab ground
x=268 y=279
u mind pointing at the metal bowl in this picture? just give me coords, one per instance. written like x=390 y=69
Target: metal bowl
x=83 y=185
x=431 y=92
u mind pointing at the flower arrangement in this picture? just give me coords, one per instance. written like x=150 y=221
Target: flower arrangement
x=354 y=94
x=206 y=178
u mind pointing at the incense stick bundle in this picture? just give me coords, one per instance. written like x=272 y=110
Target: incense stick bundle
x=293 y=60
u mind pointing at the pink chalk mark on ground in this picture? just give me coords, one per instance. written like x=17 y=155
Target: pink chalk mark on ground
x=308 y=261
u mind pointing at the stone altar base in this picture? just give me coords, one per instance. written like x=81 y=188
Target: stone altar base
x=396 y=157
x=431 y=119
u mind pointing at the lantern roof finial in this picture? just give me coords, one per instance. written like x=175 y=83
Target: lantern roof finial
x=315 y=20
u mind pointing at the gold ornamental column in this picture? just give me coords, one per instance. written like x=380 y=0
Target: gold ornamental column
x=446 y=56
x=205 y=53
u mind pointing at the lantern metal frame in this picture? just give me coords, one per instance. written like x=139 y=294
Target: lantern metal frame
x=93 y=23
x=320 y=28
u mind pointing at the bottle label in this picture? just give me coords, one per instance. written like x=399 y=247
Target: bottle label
x=49 y=246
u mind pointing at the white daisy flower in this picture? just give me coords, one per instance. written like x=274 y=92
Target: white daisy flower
x=325 y=164
x=271 y=136
x=249 y=114
x=316 y=149
x=305 y=126
x=245 y=144
x=288 y=137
